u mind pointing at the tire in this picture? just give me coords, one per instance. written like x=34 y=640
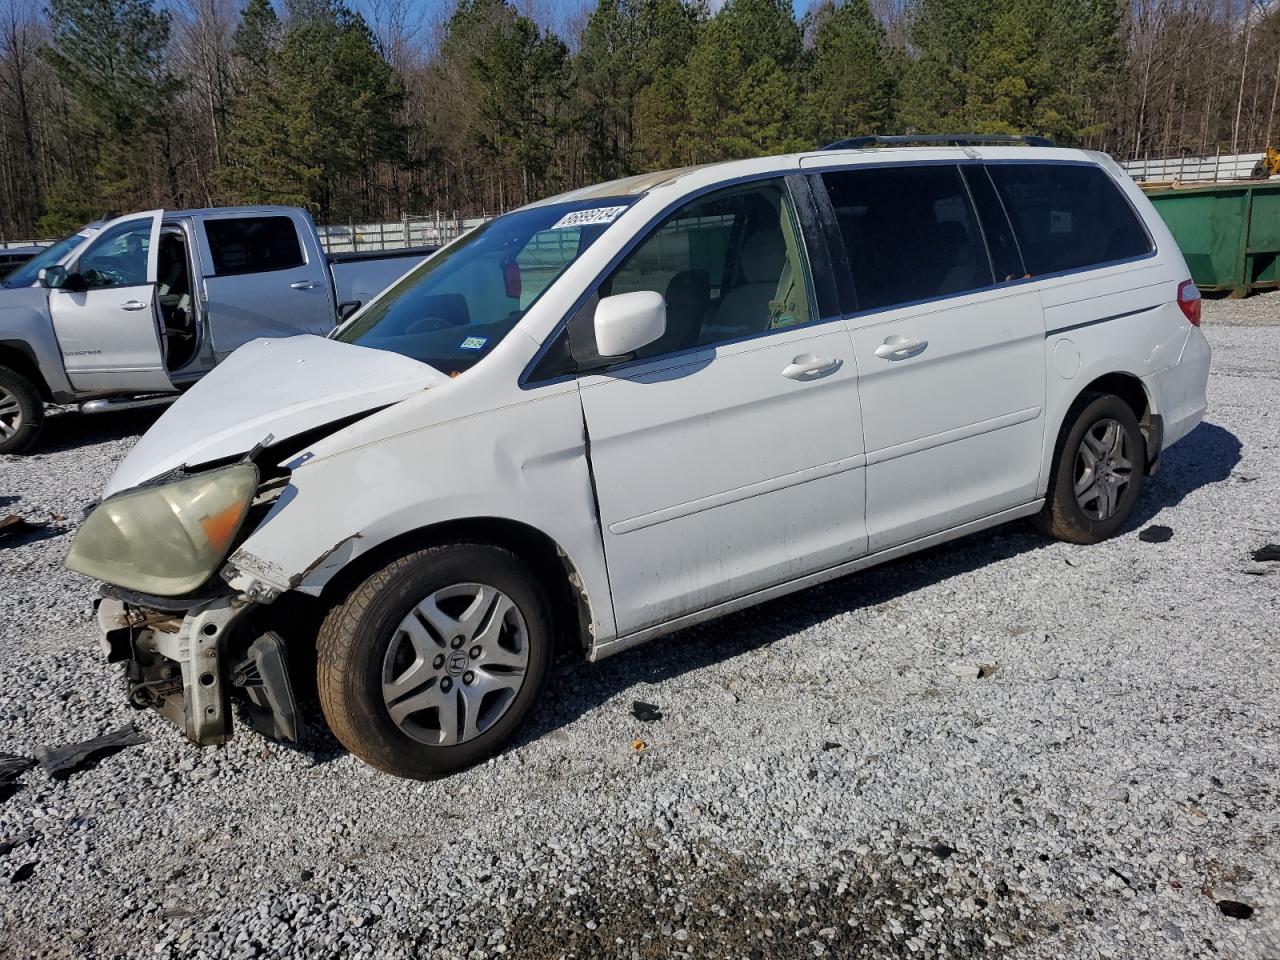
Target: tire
x=21 y=412
x=387 y=672
x=1107 y=503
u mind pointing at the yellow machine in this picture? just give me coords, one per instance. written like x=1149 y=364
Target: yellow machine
x=1268 y=166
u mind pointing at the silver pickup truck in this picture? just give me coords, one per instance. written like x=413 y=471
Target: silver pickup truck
x=135 y=310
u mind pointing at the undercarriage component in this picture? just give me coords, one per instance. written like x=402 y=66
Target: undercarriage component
x=264 y=677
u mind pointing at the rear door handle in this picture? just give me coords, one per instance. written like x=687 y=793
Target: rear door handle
x=808 y=367
x=304 y=284
x=900 y=348
x=133 y=305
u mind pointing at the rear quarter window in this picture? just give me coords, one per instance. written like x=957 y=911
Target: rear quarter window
x=1068 y=216
x=253 y=245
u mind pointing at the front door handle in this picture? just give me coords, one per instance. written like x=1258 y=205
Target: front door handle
x=900 y=348
x=808 y=367
x=133 y=305
x=304 y=284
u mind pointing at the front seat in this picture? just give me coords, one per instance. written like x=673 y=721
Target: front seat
x=744 y=309
x=688 y=296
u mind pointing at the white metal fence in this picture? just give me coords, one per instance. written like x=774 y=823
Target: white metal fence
x=433 y=230
x=1206 y=169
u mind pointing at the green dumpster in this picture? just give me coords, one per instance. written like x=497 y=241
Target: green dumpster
x=1228 y=232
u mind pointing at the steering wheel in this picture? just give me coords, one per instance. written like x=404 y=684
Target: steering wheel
x=100 y=277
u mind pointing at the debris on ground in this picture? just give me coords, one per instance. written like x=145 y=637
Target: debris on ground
x=1156 y=533
x=12 y=767
x=646 y=712
x=12 y=525
x=24 y=872
x=1270 y=551
x=61 y=762
x=21 y=840
x=1235 y=909
x=964 y=670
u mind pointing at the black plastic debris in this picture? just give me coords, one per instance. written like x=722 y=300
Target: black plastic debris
x=1156 y=534
x=1235 y=909
x=61 y=762
x=646 y=712
x=831 y=745
x=942 y=850
x=1270 y=551
x=12 y=767
x=21 y=840
x=12 y=525
x=24 y=872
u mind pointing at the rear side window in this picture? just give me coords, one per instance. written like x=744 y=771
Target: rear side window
x=253 y=245
x=910 y=233
x=1068 y=216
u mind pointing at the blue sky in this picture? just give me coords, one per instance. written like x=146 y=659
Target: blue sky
x=559 y=14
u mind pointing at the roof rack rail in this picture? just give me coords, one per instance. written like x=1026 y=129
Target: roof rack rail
x=938 y=139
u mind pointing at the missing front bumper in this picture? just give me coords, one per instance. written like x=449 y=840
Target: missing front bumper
x=185 y=667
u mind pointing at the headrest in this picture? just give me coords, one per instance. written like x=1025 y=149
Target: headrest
x=762 y=256
x=690 y=287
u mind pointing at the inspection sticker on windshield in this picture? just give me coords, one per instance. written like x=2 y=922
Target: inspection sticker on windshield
x=585 y=218
x=474 y=343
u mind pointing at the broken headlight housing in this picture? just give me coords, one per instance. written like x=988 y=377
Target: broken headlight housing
x=165 y=539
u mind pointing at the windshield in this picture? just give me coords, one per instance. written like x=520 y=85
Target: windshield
x=25 y=275
x=458 y=305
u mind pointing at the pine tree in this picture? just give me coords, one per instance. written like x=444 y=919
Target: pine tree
x=851 y=82
x=744 y=86
x=109 y=57
x=265 y=162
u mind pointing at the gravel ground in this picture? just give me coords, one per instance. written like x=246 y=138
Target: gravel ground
x=821 y=781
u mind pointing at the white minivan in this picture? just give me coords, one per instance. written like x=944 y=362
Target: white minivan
x=624 y=410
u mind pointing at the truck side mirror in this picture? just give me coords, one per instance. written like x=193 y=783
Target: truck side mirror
x=57 y=278
x=54 y=277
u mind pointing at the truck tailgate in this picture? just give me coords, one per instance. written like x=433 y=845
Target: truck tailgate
x=362 y=276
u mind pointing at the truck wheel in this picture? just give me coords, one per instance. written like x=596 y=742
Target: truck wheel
x=1097 y=471
x=433 y=663
x=21 y=412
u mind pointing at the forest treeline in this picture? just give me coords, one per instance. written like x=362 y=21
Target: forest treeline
x=374 y=112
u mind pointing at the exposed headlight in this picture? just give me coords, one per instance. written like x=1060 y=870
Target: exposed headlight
x=167 y=539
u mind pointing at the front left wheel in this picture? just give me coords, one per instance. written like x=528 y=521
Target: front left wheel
x=434 y=662
x=21 y=411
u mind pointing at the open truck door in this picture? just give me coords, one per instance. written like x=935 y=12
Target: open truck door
x=105 y=311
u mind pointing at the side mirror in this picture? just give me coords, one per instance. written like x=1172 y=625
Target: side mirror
x=346 y=308
x=626 y=322
x=54 y=277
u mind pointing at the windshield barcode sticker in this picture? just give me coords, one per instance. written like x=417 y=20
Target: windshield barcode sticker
x=585 y=218
x=473 y=343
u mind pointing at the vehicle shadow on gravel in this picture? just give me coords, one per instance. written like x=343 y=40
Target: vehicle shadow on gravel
x=68 y=429
x=1207 y=455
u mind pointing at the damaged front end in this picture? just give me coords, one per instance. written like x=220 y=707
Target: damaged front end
x=190 y=642
x=189 y=665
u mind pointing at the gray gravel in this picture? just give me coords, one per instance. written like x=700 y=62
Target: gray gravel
x=1003 y=746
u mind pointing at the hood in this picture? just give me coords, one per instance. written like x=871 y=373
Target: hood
x=281 y=387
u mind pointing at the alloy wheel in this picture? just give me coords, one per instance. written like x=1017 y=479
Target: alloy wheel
x=1103 y=469
x=455 y=664
x=10 y=414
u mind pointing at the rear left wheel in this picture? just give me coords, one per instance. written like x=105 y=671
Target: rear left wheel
x=434 y=662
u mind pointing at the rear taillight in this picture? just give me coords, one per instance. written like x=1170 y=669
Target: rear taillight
x=1189 y=301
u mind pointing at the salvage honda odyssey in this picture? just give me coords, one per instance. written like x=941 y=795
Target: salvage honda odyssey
x=633 y=407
